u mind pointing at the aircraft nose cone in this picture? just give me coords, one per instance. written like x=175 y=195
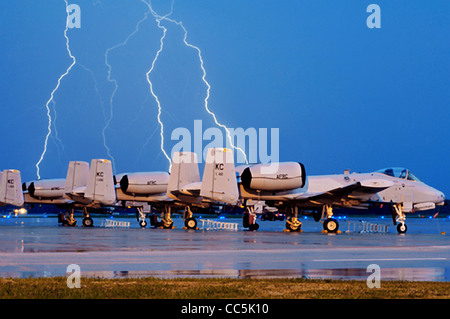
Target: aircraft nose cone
x=439 y=196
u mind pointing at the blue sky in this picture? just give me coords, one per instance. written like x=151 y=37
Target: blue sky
x=342 y=95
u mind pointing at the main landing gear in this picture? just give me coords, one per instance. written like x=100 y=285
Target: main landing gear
x=189 y=221
x=399 y=217
x=67 y=219
x=330 y=224
x=293 y=224
x=87 y=220
x=166 y=221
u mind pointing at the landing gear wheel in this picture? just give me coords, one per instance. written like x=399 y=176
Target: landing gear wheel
x=331 y=225
x=143 y=223
x=400 y=218
x=190 y=223
x=167 y=225
x=88 y=222
x=293 y=226
x=254 y=226
x=401 y=228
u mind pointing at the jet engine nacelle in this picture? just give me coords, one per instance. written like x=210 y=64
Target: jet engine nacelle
x=144 y=183
x=46 y=188
x=285 y=176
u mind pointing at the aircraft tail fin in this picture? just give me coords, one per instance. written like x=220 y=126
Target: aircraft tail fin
x=11 y=188
x=100 y=183
x=77 y=175
x=184 y=171
x=219 y=178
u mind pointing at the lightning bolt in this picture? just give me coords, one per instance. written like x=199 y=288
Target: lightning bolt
x=116 y=86
x=161 y=47
x=208 y=90
x=49 y=127
x=158 y=19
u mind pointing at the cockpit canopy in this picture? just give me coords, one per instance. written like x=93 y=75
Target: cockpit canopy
x=399 y=172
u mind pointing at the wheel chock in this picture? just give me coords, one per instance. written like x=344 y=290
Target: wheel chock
x=326 y=232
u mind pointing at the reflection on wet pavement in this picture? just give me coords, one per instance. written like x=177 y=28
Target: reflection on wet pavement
x=38 y=247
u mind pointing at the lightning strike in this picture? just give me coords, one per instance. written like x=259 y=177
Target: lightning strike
x=199 y=52
x=49 y=127
x=116 y=86
x=208 y=91
x=161 y=47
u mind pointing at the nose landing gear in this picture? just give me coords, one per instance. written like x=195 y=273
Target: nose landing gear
x=249 y=219
x=399 y=217
x=140 y=215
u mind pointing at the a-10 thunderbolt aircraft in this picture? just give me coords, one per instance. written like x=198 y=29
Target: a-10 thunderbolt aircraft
x=181 y=188
x=290 y=190
x=286 y=187
x=96 y=187
x=84 y=188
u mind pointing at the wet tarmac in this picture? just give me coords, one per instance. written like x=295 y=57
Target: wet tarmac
x=38 y=247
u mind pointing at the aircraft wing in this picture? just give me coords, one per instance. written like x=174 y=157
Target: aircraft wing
x=190 y=192
x=367 y=187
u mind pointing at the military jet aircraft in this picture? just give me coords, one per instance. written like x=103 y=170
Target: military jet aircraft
x=182 y=188
x=84 y=187
x=289 y=189
x=95 y=187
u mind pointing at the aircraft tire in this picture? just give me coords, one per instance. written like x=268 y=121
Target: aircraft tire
x=293 y=228
x=190 y=223
x=88 y=222
x=254 y=226
x=402 y=228
x=143 y=223
x=331 y=225
x=167 y=226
